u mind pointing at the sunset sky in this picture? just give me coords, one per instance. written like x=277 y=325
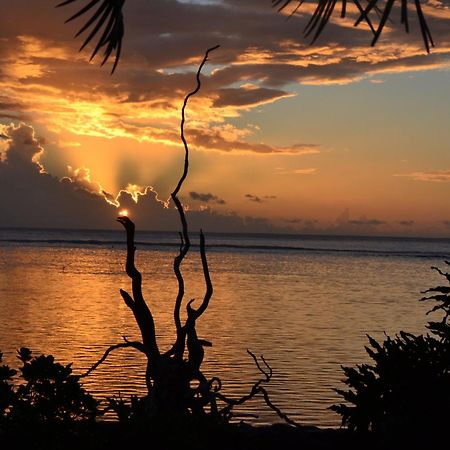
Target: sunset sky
x=334 y=137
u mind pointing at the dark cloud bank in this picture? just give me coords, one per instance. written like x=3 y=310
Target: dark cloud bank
x=32 y=198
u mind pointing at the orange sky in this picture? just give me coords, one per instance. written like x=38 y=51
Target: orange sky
x=334 y=137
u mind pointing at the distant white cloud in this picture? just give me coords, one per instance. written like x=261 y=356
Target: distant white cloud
x=305 y=171
x=436 y=176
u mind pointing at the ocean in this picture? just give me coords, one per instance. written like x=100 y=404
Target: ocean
x=304 y=302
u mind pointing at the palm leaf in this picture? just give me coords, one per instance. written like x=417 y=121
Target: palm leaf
x=325 y=8
x=105 y=24
x=321 y=14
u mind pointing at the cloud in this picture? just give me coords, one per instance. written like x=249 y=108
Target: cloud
x=24 y=150
x=220 y=139
x=261 y=58
x=206 y=198
x=256 y=199
x=253 y=198
x=82 y=178
x=366 y=222
x=441 y=176
x=30 y=197
x=10 y=110
x=305 y=171
x=343 y=224
x=248 y=96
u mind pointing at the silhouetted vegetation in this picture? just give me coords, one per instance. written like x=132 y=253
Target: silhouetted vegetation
x=46 y=392
x=375 y=14
x=405 y=392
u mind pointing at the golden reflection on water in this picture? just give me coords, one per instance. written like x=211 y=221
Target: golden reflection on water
x=307 y=314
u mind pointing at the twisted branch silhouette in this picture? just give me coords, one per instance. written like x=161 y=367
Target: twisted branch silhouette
x=169 y=374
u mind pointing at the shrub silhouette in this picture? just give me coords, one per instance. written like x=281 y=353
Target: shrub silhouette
x=48 y=392
x=407 y=388
x=7 y=394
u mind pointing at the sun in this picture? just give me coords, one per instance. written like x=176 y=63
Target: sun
x=124 y=213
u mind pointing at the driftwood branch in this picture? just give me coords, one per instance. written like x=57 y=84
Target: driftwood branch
x=127 y=344
x=141 y=311
x=169 y=376
x=209 y=287
x=184 y=235
x=256 y=389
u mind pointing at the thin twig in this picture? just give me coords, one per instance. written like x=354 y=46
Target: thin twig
x=137 y=345
x=255 y=390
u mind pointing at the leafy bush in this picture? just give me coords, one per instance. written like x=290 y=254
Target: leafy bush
x=407 y=387
x=7 y=394
x=47 y=392
x=134 y=411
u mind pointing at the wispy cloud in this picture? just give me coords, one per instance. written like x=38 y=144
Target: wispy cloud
x=366 y=222
x=254 y=198
x=435 y=176
x=305 y=171
x=206 y=198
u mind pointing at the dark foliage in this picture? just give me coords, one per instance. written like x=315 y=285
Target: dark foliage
x=105 y=24
x=406 y=390
x=7 y=394
x=47 y=392
x=375 y=13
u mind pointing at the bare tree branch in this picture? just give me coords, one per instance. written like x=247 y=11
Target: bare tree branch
x=169 y=376
x=141 y=311
x=137 y=345
x=127 y=299
x=255 y=390
x=185 y=241
x=280 y=413
x=208 y=283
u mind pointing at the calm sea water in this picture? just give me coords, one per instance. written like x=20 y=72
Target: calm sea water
x=305 y=303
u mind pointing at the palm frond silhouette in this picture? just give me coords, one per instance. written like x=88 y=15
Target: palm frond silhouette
x=105 y=20
x=383 y=8
x=105 y=23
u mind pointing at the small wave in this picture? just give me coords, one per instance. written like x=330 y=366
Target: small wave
x=237 y=247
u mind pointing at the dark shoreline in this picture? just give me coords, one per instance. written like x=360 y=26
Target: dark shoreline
x=112 y=435
x=108 y=435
